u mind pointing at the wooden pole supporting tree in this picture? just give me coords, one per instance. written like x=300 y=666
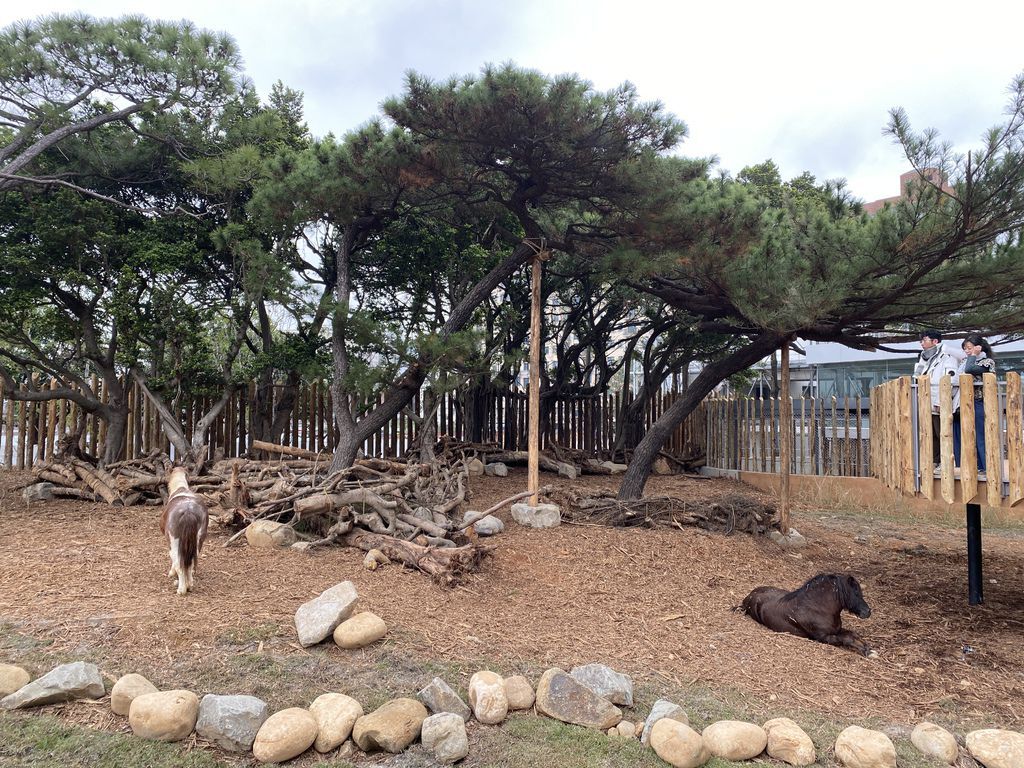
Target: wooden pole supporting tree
x=786 y=448
x=533 y=437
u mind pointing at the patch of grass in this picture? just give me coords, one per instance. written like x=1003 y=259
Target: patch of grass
x=43 y=741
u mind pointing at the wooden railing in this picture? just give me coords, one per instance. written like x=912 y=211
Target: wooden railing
x=31 y=431
x=830 y=437
x=902 y=440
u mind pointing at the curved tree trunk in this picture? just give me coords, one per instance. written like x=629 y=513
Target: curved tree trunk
x=635 y=479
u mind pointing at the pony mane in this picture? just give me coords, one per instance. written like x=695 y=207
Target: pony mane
x=836 y=579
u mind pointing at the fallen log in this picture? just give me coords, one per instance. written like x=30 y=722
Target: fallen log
x=447 y=566
x=287 y=450
x=97 y=483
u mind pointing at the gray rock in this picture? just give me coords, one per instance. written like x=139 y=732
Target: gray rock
x=792 y=540
x=561 y=697
x=444 y=735
x=497 y=469
x=439 y=698
x=606 y=683
x=662 y=708
x=488 y=526
x=231 y=722
x=567 y=470
x=541 y=516
x=317 y=619
x=77 y=680
x=38 y=492
x=392 y=727
x=615 y=469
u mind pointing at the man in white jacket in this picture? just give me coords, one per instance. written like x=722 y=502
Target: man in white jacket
x=935 y=362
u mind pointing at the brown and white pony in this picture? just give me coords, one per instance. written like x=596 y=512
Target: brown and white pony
x=183 y=522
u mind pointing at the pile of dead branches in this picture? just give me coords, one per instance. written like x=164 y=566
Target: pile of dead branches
x=732 y=513
x=409 y=511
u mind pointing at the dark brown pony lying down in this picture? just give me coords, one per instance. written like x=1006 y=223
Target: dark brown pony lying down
x=812 y=610
x=183 y=522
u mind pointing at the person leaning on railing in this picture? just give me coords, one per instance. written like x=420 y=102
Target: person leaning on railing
x=935 y=362
x=978 y=362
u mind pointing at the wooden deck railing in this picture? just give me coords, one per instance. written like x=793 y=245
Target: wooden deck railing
x=902 y=440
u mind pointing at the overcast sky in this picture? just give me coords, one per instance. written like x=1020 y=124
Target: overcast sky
x=808 y=84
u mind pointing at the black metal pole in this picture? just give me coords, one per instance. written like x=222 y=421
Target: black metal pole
x=974 y=581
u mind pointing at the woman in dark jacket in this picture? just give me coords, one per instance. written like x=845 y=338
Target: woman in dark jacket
x=978 y=362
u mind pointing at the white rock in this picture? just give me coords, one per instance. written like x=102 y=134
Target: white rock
x=439 y=697
x=497 y=469
x=935 y=741
x=678 y=744
x=317 y=619
x=858 y=747
x=488 y=526
x=487 y=697
x=164 y=715
x=126 y=689
x=996 y=748
x=335 y=714
x=735 y=740
x=360 y=630
x=475 y=467
x=444 y=735
x=541 y=516
x=662 y=708
x=606 y=682
x=231 y=722
x=788 y=742
x=284 y=735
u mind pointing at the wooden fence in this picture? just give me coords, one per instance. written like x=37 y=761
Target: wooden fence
x=901 y=448
x=830 y=437
x=31 y=430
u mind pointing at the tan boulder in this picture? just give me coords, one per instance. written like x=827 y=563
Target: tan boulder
x=678 y=744
x=735 y=740
x=360 y=630
x=391 y=727
x=519 y=692
x=858 y=747
x=335 y=714
x=284 y=735
x=125 y=691
x=164 y=715
x=269 y=534
x=996 y=748
x=12 y=678
x=935 y=741
x=487 y=697
x=788 y=742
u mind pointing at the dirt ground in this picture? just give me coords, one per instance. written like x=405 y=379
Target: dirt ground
x=654 y=603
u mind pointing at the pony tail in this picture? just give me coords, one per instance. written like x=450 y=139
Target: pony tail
x=188 y=546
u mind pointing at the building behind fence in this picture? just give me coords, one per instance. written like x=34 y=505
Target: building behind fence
x=32 y=430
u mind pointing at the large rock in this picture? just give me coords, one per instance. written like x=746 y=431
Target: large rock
x=317 y=619
x=164 y=715
x=126 y=689
x=12 y=678
x=37 y=492
x=678 y=744
x=231 y=722
x=335 y=714
x=497 y=469
x=996 y=748
x=788 y=742
x=519 y=692
x=77 y=680
x=562 y=697
x=444 y=736
x=540 y=516
x=475 y=467
x=488 y=526
x=391 y=727
x=606 y=683
x=935 y=741
x=734 y=739
x=487 y=697
x=439 y=697
x=662 y=708
x=284 y=735
x=269 y=534
x=858 y=747
x=360 y=630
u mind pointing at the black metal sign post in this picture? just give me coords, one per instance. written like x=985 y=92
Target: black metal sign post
x=974 y=581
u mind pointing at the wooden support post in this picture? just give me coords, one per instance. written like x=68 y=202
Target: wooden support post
x=533 y=459
x=786 y=452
